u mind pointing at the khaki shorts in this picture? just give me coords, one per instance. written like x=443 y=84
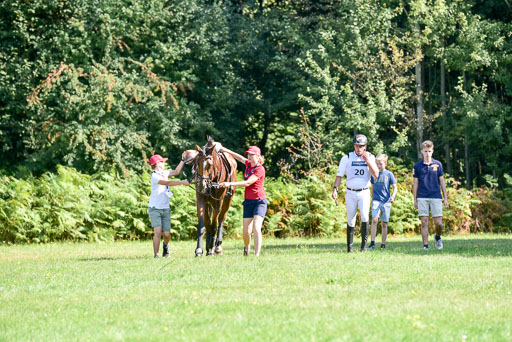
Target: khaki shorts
x=160 y=218
x=430 y=205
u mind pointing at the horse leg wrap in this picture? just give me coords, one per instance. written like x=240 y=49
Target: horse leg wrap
x=350 y=238
x=209 y=243
x=218 y=247
x=200 y=233
x=364 y=235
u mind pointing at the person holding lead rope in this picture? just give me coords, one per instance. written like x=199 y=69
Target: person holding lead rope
x=358 y=166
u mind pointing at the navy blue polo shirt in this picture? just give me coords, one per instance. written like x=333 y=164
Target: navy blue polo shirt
x=428 y=179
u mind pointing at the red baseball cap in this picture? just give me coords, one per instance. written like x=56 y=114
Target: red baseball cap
x=156 y=158
x=254 y=150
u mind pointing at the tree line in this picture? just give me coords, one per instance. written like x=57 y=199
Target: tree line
x=102 y=84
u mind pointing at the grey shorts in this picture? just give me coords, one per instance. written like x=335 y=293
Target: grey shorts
x=381 y=208
x=430 y=205
x=160 y=218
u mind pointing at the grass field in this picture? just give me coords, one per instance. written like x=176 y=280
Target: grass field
x=298 y=290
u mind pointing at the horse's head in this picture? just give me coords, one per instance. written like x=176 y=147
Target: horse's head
x=206 y=167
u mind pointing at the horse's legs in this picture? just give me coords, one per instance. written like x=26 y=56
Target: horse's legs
x=226 y=203
x=210 y=236
x=218 y=241
x=200 y=226
x=218 y=237
x=200 y=234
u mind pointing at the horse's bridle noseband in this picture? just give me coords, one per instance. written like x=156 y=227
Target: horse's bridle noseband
x=209 y=184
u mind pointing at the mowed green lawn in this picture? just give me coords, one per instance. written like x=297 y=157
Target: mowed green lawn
x=298 y=290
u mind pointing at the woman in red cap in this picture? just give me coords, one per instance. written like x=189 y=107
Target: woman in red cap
x=158 y=209
x=255 y=204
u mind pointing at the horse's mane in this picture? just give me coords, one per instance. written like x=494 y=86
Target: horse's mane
x=209 y=146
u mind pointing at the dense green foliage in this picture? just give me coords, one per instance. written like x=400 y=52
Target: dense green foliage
x=102 y=84
x=297 y=290
x=74 y=206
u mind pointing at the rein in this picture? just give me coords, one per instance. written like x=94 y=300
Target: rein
x=210 y=184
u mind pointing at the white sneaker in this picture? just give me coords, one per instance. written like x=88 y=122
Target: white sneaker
x=439 y=243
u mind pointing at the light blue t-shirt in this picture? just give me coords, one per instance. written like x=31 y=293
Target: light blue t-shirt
x=381 y=186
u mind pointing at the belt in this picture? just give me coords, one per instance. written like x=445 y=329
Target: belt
x=357 y=190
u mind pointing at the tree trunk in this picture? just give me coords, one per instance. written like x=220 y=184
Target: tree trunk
x=466 y=159
x=419 y=106
x=445 y=121
x=455 y=167
x=266 y=127
x=428 y=84
x=466 y=145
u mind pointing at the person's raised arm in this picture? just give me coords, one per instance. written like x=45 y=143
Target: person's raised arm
x=237 y=156
x=178 y=169
x=370 y=161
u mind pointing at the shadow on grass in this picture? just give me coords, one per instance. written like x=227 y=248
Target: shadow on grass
x=468 y=247
x=111 y=258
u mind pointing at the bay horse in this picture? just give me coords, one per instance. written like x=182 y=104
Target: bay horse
x=209 y=169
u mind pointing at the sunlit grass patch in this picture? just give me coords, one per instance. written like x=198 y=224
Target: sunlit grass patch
x=299 y=289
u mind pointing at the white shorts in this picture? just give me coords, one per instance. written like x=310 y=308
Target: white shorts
x=354 y=199
x=430 y=205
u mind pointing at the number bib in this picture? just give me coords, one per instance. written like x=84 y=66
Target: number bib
x=357 y=171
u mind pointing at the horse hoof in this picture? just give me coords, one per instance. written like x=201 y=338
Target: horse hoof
x=199 y=252
x=209 y=253
x=218 y=250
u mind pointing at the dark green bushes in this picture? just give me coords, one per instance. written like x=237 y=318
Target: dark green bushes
x=69 y=205
x=72 y=206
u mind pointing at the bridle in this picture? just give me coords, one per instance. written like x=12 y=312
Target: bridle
x=205 y=184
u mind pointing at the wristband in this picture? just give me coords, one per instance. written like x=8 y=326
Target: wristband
x=335 y=188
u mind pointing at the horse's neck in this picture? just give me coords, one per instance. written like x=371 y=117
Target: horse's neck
x=222 y=168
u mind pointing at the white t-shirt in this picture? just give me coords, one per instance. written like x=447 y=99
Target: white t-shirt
x=358 y=172
x=158 y=198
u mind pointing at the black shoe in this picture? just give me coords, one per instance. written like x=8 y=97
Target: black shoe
x=165 y=254
x=382 y=246
x=246 y=252
x=371 y=247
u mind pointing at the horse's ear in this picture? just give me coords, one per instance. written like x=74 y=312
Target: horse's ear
x=198 y=149
x=189 y=155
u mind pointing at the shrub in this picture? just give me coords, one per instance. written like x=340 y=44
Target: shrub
x=68 y=205
x=303 y=209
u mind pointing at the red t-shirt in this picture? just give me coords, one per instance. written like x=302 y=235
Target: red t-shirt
x=255 y=190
